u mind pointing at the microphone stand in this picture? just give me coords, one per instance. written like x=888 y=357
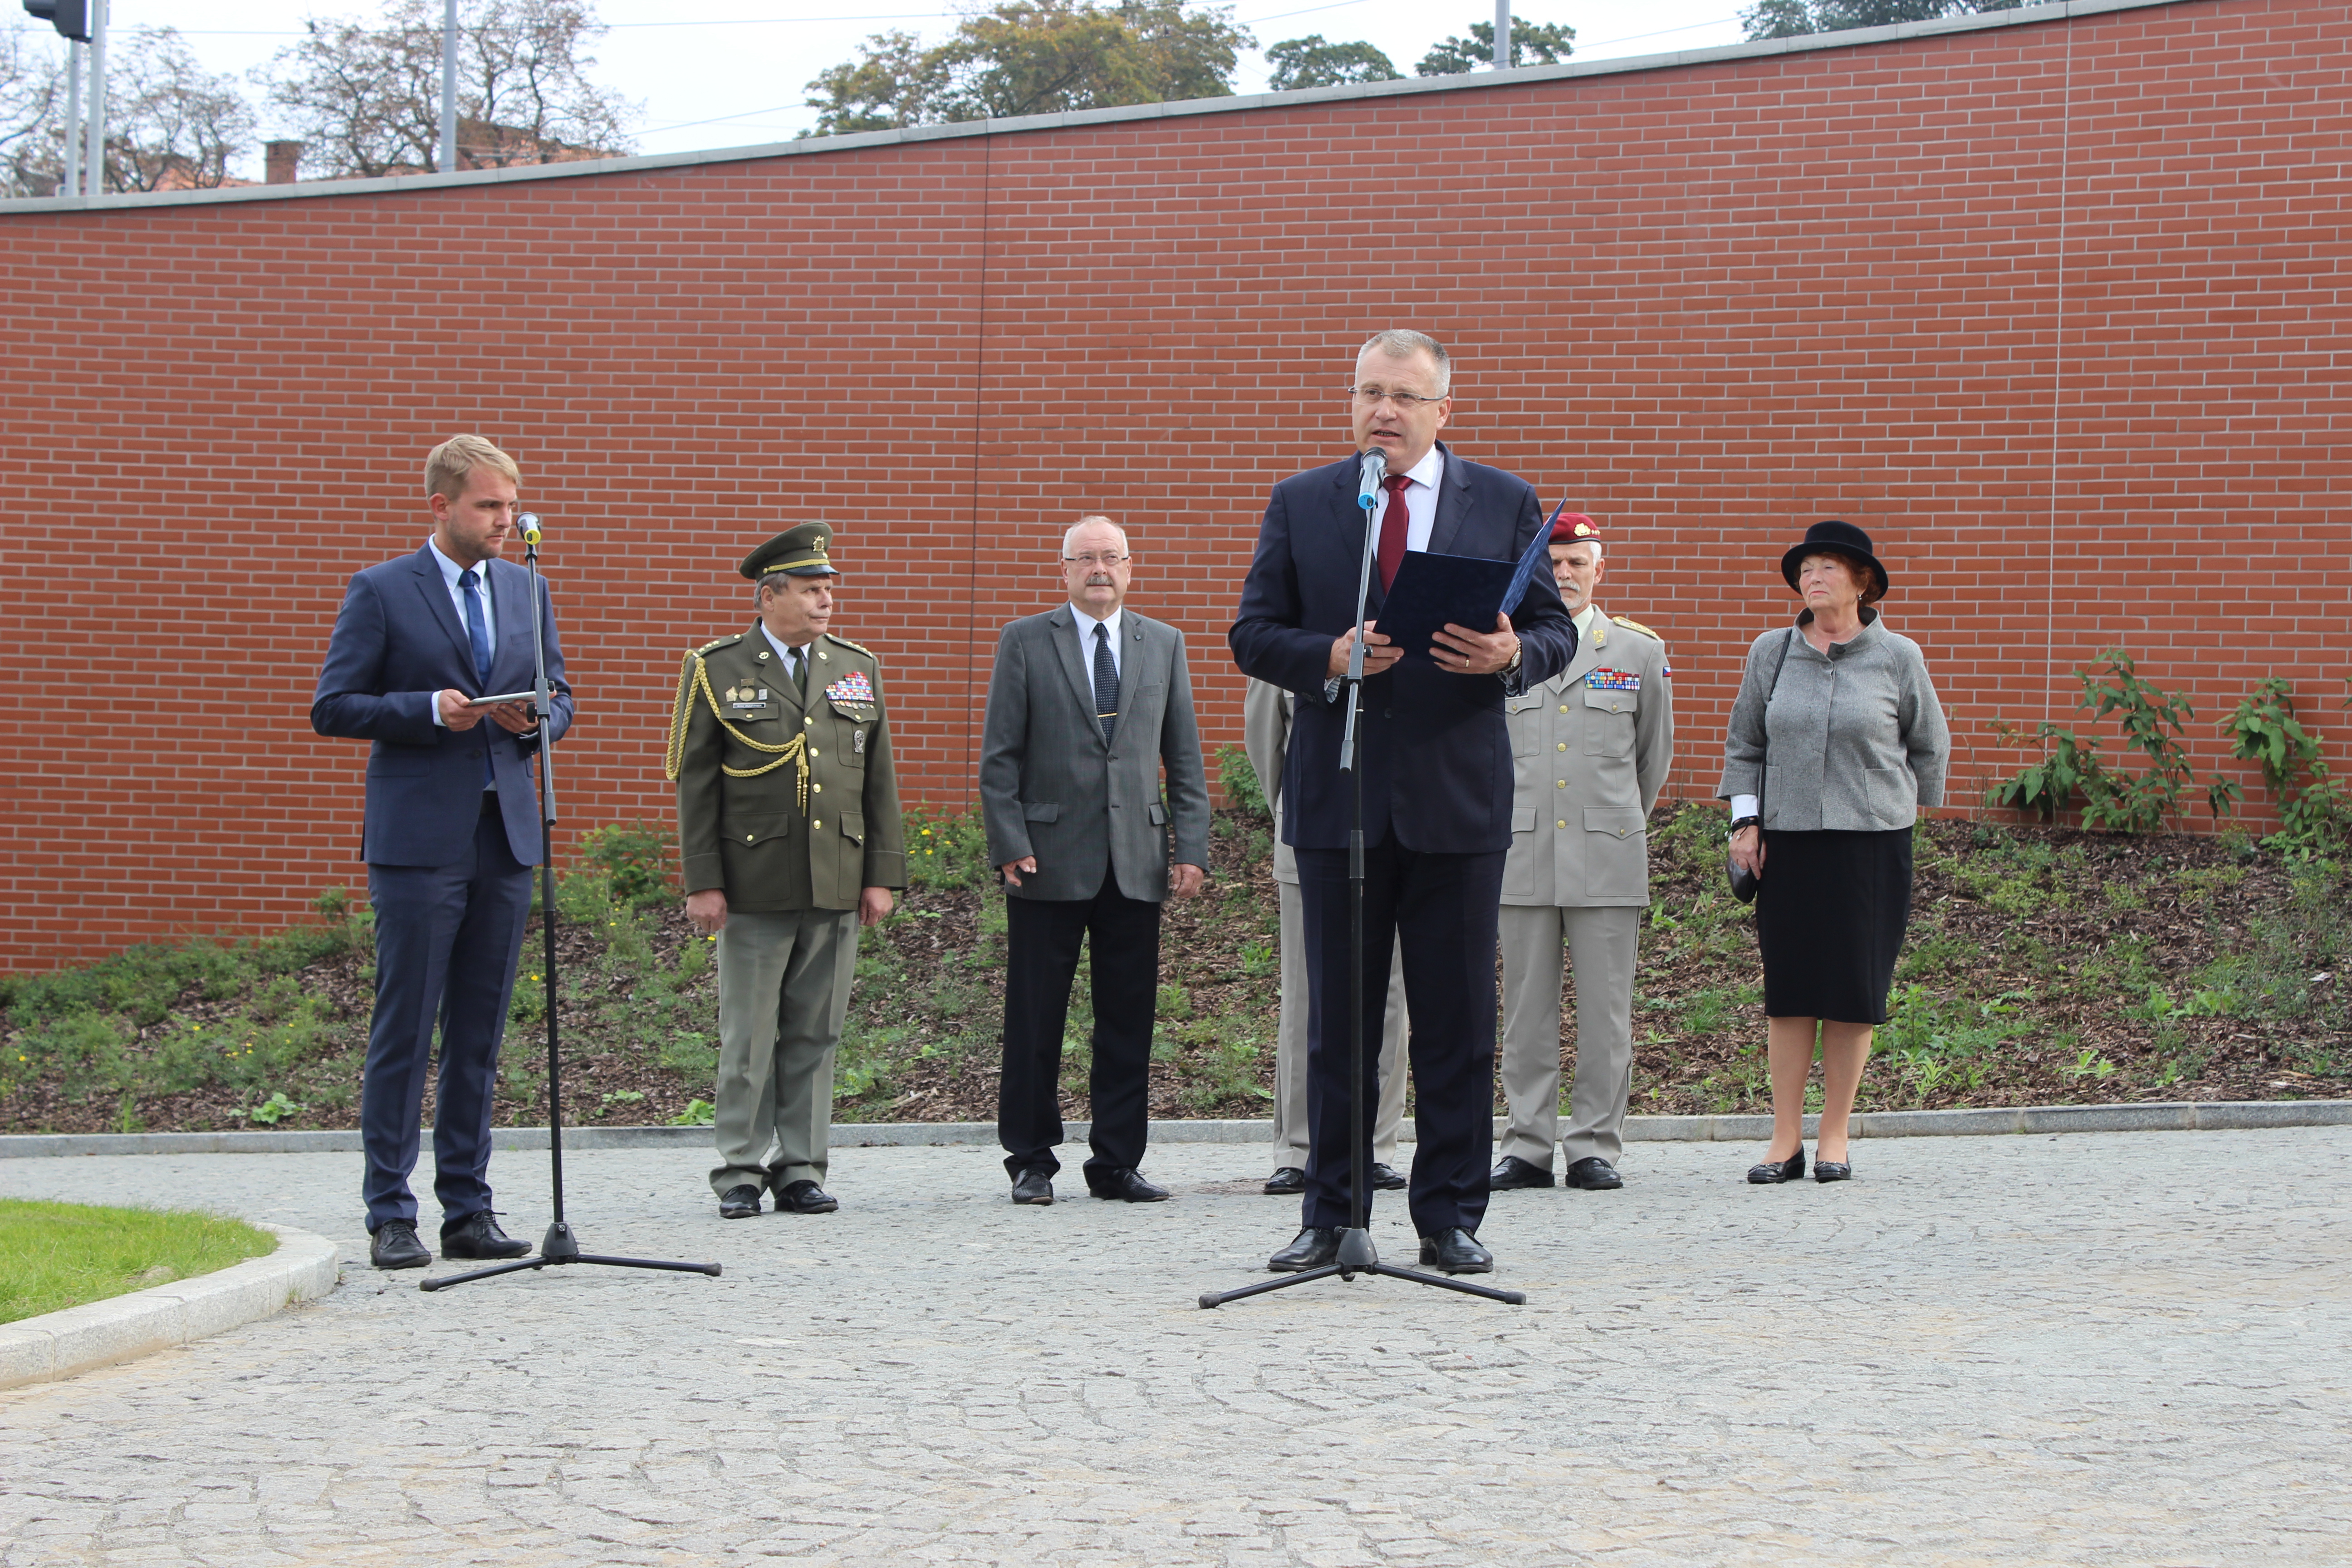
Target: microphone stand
x=559 y=1244
x=1356 y=1254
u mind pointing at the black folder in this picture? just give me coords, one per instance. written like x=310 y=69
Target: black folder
x=1432 y=590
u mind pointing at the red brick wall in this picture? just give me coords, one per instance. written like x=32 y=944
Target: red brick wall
x=2054 y=311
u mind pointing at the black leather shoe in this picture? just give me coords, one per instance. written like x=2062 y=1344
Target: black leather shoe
x=1387 y=1178
x=1032 y=1187
x=1513 y=1172
x=394 y=1246
x=1833 y=1171
x=1127 y=1185
x=477 y=1236
x=1456 y=1251
x=1286 y=1183
x=1594 y=1174
x=1315 y=1246
x=806 y=1196
x=738 y=1203
x=1772 y=1173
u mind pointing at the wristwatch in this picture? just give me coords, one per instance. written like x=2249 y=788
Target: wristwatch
x=1513 y=667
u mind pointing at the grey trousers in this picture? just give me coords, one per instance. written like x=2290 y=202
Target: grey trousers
x=1601 y=943
x=783 y=993
x=1290 y=1048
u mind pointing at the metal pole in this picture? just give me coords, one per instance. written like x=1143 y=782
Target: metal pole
x=449 y=88
x=94 y=155
x=72 y=181
x=1502 y=35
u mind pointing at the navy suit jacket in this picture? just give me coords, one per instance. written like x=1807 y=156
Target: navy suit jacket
x=397 y=641
x=1437 y=755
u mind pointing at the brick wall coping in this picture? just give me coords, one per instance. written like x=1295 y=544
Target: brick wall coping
x=2033 y=15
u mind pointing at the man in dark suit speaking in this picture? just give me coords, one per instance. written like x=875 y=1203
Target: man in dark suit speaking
x=452 y=830
x=1436 y=784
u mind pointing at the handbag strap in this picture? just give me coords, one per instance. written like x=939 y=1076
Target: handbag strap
x=1764 y=763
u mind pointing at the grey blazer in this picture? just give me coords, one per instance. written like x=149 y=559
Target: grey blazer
x=1051 y=787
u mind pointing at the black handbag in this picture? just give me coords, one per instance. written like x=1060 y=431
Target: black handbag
x=1745 y=883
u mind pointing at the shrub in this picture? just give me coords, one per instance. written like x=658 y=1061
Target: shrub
x=2266 y=730
x=2153 y=721
x=1239 y=780
x=637 y=859
x=948 y=852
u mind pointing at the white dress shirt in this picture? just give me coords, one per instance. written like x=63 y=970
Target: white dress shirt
x=450 y=573
x=1087 y=625
x=1421 y=498
x=793 y=657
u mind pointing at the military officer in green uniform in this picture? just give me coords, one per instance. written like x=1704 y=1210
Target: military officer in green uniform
x=790 y=838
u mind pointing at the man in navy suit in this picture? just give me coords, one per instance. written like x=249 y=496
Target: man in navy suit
x=1436 y=784
x=452 y=832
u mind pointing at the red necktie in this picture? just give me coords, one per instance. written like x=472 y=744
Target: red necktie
x=1394 y=522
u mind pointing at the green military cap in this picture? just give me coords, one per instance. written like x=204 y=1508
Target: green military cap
x=797 y=553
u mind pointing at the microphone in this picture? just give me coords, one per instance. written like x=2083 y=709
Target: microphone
x=1373 y=469
x=526 y=524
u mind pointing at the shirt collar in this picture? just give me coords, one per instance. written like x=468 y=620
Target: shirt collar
x=1431 y=468
x=784 y=650
x=1584 y=619
x=1087 y=624
x=451 y=570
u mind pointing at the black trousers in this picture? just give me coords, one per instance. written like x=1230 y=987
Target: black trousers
x=1443 y=910
x=446 y=939
x=1041 y=963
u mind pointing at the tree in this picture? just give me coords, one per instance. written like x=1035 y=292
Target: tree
x=366 y=97
x=1549 y=42
x=1034 y=57
x=1311 y=62
x=170 y=126
x=31 y=116
x=1796 y=19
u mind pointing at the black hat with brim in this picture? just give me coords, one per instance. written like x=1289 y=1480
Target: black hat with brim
x=1832 y=537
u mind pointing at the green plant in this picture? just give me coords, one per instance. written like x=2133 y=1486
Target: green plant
x=54 y=1256
x=697 y=1113
x=2153 y=721
x=1239 y=781
x=274 y=1109
x=691 y=1053
x=947 y=852
x=2266 y=730
x=618 y=1097
x=636 y=858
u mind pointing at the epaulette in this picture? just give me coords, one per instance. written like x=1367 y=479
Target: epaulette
x=861 y=647
x=1637 y=626
x=721 y=642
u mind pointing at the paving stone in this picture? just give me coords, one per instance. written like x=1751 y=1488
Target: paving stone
x=2030 y=1350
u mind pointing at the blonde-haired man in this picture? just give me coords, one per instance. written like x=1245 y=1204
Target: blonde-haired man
x=451 y=829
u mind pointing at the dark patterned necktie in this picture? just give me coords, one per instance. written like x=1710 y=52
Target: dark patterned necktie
x=1106 y=683
x=1394 y=524
x=477 y=632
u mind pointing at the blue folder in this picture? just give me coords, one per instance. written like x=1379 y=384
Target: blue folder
x=1466 y=590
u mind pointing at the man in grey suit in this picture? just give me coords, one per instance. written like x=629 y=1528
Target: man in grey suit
x=1085 y=705
x=1591 y=749
x=452 y=832
x=1265 y=736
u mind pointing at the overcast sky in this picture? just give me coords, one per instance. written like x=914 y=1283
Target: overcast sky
x=729 y=73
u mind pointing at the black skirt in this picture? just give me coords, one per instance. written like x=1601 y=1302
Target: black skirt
x=1830 y=916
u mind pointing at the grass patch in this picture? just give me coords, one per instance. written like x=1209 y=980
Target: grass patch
x=55 y=1255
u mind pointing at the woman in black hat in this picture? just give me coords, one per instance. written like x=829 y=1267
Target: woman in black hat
x=1836 y=740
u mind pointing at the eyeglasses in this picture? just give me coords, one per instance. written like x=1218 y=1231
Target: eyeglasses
x=1406 y=402
x=1090 y=559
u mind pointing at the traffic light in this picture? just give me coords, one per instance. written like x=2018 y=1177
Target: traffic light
x=69 y=17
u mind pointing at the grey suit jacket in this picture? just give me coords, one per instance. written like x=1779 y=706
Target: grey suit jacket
x=1051 y=787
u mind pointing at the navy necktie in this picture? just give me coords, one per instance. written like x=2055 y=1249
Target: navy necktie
x=1106 y=683
x=477 y=632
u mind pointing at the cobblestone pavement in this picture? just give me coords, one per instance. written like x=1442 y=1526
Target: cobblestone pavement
x=2126 y=1349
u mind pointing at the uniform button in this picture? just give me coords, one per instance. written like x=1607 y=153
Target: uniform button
x=808 y=720
x=1561 y=822
x=750 y=838
x=815 y=825
x=1563 y=707
x=1561 y=747
x=819 y=788
x=815 y=753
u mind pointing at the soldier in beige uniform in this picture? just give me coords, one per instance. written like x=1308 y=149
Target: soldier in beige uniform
x=1591 y=749
x=788 y=837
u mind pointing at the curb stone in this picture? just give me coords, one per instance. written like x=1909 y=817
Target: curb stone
x=2169 y=1116
x=122 y=1328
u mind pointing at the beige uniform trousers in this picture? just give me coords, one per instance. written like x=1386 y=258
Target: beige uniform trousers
x=783 y=993
x=1290 y=1048
x=1602 y=943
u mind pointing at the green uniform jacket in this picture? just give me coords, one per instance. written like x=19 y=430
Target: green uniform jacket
x=784 y=807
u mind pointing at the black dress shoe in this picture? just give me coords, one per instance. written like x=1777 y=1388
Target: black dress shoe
x=1387 y=1178
x=477 y=1236
x=806 y=1196
x=1315 y=1246
x=1032 y=1187
x=738 y=1203
x=1126 y=1184
x=1456 y=1251
x=394 y=1246
x=1772 y=1173
x=1287 y=1183
x=1513 y=1172
x=1833 y=1171
x=1594 y=1174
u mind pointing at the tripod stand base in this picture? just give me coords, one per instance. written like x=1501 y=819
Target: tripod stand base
x=1357 y=1256
x=560 y=1245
